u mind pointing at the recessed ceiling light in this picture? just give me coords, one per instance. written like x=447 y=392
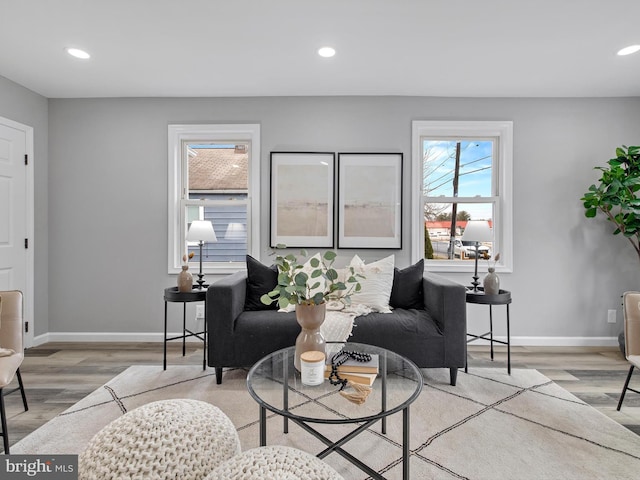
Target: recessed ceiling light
x=629 y=50
x=326 y=52
x=76 y=52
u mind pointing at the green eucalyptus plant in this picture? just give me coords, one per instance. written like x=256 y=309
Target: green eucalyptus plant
x=618 y=194
x=300 y=286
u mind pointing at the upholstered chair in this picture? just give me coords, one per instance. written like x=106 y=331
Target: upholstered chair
x=631 y=307
x=11 y=352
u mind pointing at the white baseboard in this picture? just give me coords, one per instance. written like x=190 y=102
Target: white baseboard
x=555 y=341
x=88 y=337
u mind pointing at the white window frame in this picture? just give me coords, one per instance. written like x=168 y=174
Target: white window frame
x=178 y=135
x=502 y=132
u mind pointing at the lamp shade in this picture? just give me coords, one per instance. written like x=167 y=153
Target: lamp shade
x=201 y=230
x=477 y=231
x=235 y=231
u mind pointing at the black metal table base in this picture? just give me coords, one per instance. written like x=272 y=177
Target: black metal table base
x=489 y=336
x=266 y=377
x=196 y=295
x=336 y=446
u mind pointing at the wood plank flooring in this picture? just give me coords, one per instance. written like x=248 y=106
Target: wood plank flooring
x=57 y=375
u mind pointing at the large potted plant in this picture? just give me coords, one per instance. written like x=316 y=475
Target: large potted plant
x=617 y=195
x=309 y=286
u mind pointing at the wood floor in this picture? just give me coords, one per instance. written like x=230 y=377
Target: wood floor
x=57 y=375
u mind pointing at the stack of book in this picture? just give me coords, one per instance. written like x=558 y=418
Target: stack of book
x=363 y=373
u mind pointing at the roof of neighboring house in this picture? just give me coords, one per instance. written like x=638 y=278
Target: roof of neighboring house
x=447 y=223
x=438 y=224
x=218 y=169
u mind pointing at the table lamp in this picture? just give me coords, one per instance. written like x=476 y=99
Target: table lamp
x=201 y=231
x=235 y=231
x=477 y=231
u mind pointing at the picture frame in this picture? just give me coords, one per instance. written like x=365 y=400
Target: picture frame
x=302 y=199
x=370 y=200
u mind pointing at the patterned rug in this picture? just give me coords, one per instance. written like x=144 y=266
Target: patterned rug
x=490 y=426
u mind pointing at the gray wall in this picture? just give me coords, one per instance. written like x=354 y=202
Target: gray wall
x=24 y=106
x=108 y=199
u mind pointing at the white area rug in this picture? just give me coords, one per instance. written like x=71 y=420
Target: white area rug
x=490 y=426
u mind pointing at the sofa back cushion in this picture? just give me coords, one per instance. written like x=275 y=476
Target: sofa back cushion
x=407 y=287
x=260 y=280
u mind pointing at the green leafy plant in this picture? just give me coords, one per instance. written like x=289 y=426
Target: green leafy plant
x=617 y=194
x=297 y=285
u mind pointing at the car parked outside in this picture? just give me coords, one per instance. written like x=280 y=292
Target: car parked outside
x=467 y=248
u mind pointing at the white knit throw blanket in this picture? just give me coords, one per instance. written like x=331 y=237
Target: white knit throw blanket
x=338 y=323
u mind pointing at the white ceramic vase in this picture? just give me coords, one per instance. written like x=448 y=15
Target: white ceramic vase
x=491 y=282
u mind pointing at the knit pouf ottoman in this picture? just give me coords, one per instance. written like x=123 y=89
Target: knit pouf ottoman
x=274 y=463
x=168 y=439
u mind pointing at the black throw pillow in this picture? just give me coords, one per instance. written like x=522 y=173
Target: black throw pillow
x=407 y=287
x=260 y=280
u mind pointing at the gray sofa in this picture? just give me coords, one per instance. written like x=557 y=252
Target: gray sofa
x=432 y=334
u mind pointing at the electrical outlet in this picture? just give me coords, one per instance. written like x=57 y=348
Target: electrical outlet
x=611 y=316
x=200 y=312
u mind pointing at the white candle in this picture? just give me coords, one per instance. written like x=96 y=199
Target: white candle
x=312 y=367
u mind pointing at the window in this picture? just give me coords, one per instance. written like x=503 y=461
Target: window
x=214 y=175
x=461 y=171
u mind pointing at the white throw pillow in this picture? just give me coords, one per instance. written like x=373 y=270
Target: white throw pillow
x=377 y=284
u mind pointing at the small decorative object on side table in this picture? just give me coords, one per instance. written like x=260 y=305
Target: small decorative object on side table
x=502 y=298
x=173 y=294
x=185 y=279
x=491 y=282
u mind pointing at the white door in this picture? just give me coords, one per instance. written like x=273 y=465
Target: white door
x=16 y=216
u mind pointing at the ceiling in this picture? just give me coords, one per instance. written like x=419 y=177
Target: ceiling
x=208 y=48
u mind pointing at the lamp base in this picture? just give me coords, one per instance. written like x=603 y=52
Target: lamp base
x=475 y=277
x=200 y=280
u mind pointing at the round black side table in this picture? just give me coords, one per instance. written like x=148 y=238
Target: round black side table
x=502 y=298
x=197 y=294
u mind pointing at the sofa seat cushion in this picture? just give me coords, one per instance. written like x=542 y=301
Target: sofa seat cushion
x=410 y=331
x=259 y=333
x=401 y=322
x=263 y=321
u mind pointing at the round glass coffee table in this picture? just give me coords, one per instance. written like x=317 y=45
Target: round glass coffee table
x=276 y=385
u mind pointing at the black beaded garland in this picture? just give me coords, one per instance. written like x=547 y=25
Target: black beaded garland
x=339 y=359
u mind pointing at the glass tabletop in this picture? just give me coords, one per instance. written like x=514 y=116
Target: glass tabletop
x=276 y=385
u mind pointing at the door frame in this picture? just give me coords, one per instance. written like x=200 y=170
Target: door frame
x=30 y=212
